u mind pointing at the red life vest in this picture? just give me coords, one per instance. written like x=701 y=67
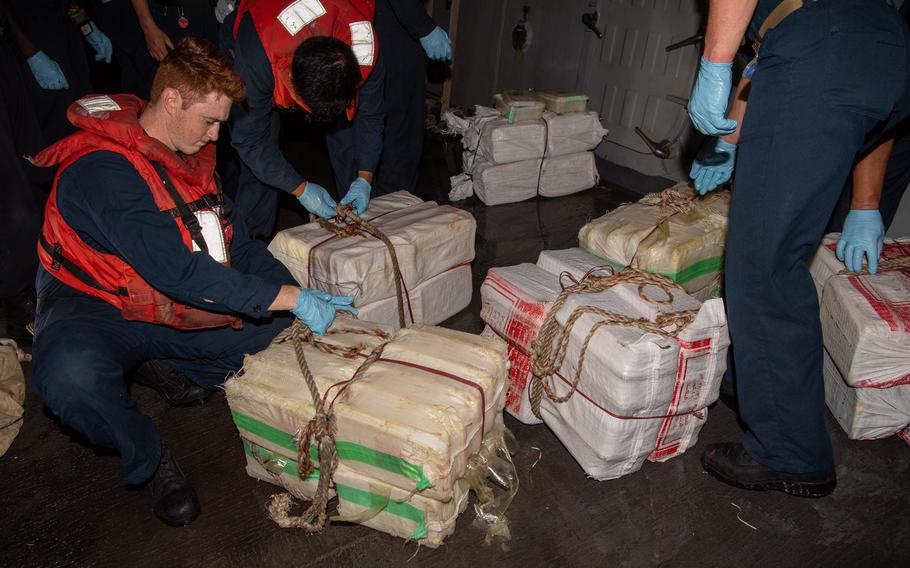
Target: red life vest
x=282 y=25
x=181 y=187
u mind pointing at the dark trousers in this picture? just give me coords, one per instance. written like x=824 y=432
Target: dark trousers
x=199 y=18
x=405 y=120
x=831 y=77
x=83 y=349
x=45 y=22
x=118 y=20
x=21 y=200
x=257 y=203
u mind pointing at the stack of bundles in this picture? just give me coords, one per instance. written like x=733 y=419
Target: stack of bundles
x=672 y=233
x=417 y=421
x=622 y=366
x=434 y=246
x=507 y=162
x=865 y=323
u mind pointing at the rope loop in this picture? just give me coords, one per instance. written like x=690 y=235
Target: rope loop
x=348 y=224
x=545 y=361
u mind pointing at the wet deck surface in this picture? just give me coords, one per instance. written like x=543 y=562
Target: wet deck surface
x=62 y=504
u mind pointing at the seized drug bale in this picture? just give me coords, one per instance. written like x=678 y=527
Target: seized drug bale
x=411 y=421
x=573 y=132
x=640 y=395
x=865 y=320
x=672 y=233
x=506 y=183
x=495 y=141
x=378 y=505
x=429 y=240
x=866 y=413
x=564 y=175
x=12 y=392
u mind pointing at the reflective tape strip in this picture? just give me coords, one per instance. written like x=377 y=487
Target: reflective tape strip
x=362 y=42
x=98 y=104
x=300 y=14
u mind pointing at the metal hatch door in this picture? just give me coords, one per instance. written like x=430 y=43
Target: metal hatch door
x=635 y=83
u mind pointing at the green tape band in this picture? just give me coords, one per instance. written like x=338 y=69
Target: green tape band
x=347 y=493
x=691 y=272
x=347 y=451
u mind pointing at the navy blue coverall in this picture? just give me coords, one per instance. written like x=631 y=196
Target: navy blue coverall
x=84 y=348
x=831 y=78
x=353 y=146
x=400 y=25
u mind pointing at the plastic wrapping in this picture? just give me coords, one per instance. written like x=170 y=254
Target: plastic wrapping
x=489 y=473
x=12 y=392
x=866 y=413
x=429 y=239
x=640 y=395
x=573 y=133
x=686 y=247
x=411 y=421
x=564 y=175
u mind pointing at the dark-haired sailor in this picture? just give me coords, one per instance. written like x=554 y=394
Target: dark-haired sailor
x=319 y=56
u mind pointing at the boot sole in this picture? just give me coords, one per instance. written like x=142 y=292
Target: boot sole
x=806 y=489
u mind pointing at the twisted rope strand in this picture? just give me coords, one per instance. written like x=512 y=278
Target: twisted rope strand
x=357 y=226
x=545 y=362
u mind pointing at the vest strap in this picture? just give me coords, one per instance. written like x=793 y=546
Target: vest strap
x=184 y=213
x=55 y=251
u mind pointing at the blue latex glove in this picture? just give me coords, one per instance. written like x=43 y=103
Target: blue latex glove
x=101 y=43
x=863 y=235
x=318 y=201
x=317 y=309
x=713 y=166
x=437 y=44
x=358 y=194
x=47 y=72
x=708 y=102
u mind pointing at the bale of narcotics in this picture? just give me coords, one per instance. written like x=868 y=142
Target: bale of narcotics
x=407 y=427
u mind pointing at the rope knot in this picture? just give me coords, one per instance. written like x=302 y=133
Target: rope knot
x=671 y=201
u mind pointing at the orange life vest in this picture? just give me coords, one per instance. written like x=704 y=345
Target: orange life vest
x=183 y=188
x=282 y=25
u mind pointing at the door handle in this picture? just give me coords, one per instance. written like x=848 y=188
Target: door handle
x=697 y=38
x=589 y=19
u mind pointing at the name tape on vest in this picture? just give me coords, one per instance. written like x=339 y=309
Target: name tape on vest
x=362 y=42
x=300 y=14
x=95 y=106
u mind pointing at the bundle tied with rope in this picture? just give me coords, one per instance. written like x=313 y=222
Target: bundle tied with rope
x=320 y=429
x=672 y=232
x=349 y=224
x=551 y=344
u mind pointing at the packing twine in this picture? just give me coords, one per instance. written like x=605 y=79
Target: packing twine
x=671 y=201
x=545 y=362
x=357 y=227
x=321 y=429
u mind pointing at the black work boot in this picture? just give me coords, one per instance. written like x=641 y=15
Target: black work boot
x=170 y=384
x=731 y=464
x=175 y=499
